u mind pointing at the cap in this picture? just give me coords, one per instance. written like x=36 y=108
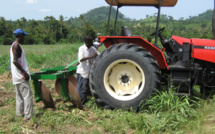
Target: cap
x=19 y=31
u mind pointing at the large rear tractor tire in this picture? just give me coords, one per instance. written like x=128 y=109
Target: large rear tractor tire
x=123 y=76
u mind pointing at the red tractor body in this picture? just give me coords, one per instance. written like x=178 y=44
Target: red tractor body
x=202 y=49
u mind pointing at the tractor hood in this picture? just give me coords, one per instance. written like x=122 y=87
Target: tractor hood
x=203 y=49
x=165 y=3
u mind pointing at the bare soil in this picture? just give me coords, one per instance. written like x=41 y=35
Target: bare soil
x=4 y=93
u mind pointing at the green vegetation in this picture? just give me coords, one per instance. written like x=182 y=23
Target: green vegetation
x=4 y=63
x=163 y=112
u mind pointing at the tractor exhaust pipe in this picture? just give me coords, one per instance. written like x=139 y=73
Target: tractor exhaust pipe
x=213 y=22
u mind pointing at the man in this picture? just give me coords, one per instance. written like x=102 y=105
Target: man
x=20 y=77
x=86 y=55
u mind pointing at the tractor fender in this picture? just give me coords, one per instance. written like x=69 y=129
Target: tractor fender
x=138 y=40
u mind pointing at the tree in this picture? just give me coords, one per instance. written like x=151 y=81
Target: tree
x=53 y=27
x=111 y=28
x=89 y=30
x=181 y=18
x=2 y=26
x=61 y=23
x=171 y=18
x=6 y=34
x=23 y=22
x=203 y=25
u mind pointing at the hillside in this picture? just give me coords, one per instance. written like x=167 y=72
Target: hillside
x=101 y=14
x=195 y=26
x=98 y=16
x=205 y=16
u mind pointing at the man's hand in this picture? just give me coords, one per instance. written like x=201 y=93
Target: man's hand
x=26 y=76
x=98 y=46
x=94 y=55
x=86 y=58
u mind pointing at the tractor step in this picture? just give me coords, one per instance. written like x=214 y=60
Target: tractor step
x=180 y=78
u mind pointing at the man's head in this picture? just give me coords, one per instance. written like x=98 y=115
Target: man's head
x=88 y=41
x=20 y=35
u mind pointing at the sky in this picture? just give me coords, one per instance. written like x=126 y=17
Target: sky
x=39 y=9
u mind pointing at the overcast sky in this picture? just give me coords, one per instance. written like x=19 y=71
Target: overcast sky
x=38 y=9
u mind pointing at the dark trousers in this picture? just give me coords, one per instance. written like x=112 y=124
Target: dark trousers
x=82 y=87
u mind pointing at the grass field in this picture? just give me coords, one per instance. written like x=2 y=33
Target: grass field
x=164 y=113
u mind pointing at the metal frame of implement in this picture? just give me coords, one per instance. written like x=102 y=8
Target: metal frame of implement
x=55 y=73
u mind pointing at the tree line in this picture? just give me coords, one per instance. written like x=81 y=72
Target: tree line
x=47 y=31
x=53 y=30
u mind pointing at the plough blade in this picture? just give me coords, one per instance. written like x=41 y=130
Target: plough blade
x=46 y=96
x=57 y=87
x=72 y=88
x=74 y=96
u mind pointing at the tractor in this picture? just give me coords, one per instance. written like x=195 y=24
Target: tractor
x=130 y=69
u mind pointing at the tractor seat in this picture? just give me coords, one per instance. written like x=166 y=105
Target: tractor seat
x=125 y=32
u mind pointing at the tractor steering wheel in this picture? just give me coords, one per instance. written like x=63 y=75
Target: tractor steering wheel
x=160 y=30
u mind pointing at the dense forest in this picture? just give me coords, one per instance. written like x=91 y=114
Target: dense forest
x=59 y=30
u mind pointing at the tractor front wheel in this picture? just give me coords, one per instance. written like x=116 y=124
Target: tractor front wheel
x=123 y=76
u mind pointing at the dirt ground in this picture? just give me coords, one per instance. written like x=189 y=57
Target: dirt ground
x=4 y=94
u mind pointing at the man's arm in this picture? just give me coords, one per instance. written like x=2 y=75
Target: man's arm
x=17 y=51
x=89 y=57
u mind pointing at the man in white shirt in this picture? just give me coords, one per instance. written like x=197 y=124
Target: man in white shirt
x=21 y=77
x=86 y=55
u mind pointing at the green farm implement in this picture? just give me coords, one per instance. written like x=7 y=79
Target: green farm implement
x=65 y=85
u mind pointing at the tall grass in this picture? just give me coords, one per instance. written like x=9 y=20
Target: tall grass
x=4 y=63
x=166 y=112
x=163 y=113
x=168 y=101
x=60 y=57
